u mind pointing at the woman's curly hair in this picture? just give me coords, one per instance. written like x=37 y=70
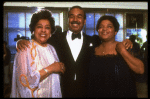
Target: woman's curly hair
x=111 y=19
x=42 y=14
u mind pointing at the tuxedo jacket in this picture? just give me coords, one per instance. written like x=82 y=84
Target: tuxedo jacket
x=69 y=86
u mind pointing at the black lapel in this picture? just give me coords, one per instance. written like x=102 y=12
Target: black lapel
x=66 y=49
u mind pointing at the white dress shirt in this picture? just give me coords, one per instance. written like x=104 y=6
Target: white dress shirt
x=75 y=45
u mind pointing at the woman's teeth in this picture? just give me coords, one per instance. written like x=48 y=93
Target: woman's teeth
x=43 y=35
x=104 y=33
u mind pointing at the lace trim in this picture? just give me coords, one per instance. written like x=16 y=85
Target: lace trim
x=107 y=55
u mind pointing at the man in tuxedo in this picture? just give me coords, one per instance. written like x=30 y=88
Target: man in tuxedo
x=73 y=49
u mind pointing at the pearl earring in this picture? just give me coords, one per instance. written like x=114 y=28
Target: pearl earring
x=32 y=35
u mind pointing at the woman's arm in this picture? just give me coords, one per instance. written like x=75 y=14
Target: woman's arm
x=134 y=63
x=56 y=67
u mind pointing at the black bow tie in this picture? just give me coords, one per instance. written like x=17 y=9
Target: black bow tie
x=76 y=36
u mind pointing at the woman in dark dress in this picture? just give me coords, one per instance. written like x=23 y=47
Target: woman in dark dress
x=112 y=67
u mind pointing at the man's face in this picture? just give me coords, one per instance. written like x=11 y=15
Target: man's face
x=76 y=20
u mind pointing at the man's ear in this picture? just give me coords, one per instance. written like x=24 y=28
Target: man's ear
x=116 y=33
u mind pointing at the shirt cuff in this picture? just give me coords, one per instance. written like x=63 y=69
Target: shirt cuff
x=17 y=42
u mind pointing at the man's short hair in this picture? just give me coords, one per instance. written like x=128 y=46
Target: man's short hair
x=79 y=8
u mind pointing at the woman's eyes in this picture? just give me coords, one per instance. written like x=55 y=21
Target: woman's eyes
x=39 y=26
x=42 y=27
x=47 y=27
x=107 y=26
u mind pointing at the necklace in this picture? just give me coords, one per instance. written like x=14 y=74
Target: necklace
x=108 y=51
x=104 y=50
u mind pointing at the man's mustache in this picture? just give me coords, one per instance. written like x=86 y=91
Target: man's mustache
x=75 y=22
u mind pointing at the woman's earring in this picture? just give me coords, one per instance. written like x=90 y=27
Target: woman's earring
x=32 y=35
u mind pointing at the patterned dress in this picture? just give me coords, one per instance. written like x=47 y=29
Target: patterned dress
x=26 y=76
